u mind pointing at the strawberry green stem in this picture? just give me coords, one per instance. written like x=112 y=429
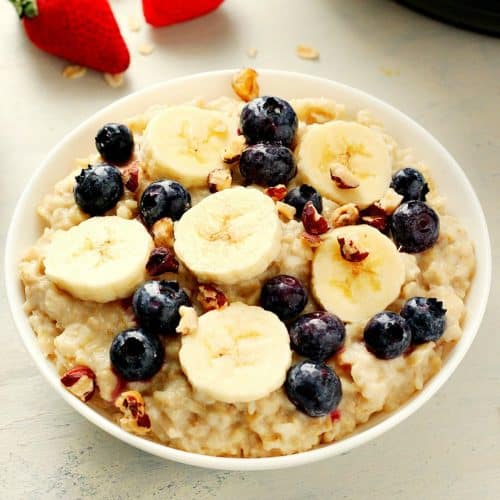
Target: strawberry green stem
x=25 y=8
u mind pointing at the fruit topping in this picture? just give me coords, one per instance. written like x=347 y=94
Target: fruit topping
x=269 y=119
x=98 y=188
x=299 y=196
x=317 y=335
x=115 y=143
x=415 y=227
x=156 y=305
x=136 y=354
x=343 y=177
x=211 y=298
x=314 y=223
x=426 y=318
x=164 y=199
x=314 y=388
x=350 y=250
x=135 y=419
x=389 y=202
x=267 y=165
x=410 y=183
x=162 y=260
x=387 y=335
x=284 y=295
x=80 y=381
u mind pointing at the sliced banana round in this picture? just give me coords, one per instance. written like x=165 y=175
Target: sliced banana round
x=185 y=143
x=236 y=354
x=229 y=236
x=357 y=272
x=345 y=161
x=101 y=259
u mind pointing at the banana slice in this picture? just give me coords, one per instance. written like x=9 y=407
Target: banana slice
x=101 y=259
x=345 y=161
x=237 y=354
x=357 y=272
x=229 y=236
x=186 y=143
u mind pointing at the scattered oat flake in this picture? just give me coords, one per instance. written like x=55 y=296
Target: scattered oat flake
x=74 y=72
x=307 y=52
x=146 y=49
x=114 y=80
x=134 y=23
x=252 y=52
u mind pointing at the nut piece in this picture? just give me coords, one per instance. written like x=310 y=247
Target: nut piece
x=162 y=260
x=390 y=201
x=314 y=223
x=286 y=211
x=114 y=80
x=343 y=177
x=163 y=232
x=146 y=49
x=311 y=240
x=277 y=193
x=73 y=72
x=350 y=251
x=135 y=419
x=189 y=321
x=245 y=84
x=130 y=176
x=211 y=298
x=80 y=381
x=219 y=179
x=307 y=52
x=374 y=216
x=233 y=152
x=345 y=215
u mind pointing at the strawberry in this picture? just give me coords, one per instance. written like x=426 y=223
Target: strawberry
x=84 y=32
x=164 y=12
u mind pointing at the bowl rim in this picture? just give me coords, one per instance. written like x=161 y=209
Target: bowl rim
x=246 y=464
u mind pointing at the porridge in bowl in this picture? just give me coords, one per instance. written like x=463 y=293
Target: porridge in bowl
x=247 y=279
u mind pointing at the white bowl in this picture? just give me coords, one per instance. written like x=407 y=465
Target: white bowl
x=452 y=182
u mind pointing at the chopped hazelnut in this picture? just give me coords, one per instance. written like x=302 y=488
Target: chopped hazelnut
x=374 y=216
x=314 y=222
x=130 y=175
x=345 y=215
x=350 y=251
x=390 y=201
x=163 y=232
x=245 y=84
x=286 y=211
x=80 y=381
x=114 y=80
x=277 y=193
x=135 y=419
x=211 y=298
x=343 y=177
x=73 y=72
x=189 y=321
x=162 y=260
x=233 y=152
x=311 y=240
x=219 y=179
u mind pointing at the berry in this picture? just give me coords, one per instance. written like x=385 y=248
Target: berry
x=314 y=388
x=299 y=196
x=136 y=355
x=156 y=306
x=284 y=295
x=164 y=199
x=115 y=143
x=98 y=188
x=425 y=317
x=267 y=165
x=387 y=335
x=410 y=184
x=317 y=335
x=269 y=119
x=415 y=226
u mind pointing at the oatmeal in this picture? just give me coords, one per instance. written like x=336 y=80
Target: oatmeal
x=192 y=281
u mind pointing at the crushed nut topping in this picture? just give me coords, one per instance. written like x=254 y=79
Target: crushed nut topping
x=219 y=179
x=233 y=151
x=80 y=381
x=350 y=251
x=211 y=298
x=307 y=52
x=390 y=201
x=374 y=216
x=146 y=49
x=311 y=240
x=163 y=232
x=114 y=80
x=162 y=260
x=314 y=222
x=277 y=193
x=189 y=321
x=245 y=84
x=286 y=211
x=345 y=215
x=135 y=419
x=343 y=177
x=73 y=72
x=130 y=176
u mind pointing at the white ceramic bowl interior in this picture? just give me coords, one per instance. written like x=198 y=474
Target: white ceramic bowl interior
x=452 y=182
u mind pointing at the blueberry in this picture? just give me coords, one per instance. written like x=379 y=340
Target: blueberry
x=115 y=143
x=156 y=306
x=284 y=295
x=317 y=335
x=426 y=319
x=136 y=355
x=98 y=188
x=299 y=196
x=269 y=119
x=387 y=335
x=410 y=184
x=313 y=387
x=414 y=226
x=164 y=199
x=267 y=165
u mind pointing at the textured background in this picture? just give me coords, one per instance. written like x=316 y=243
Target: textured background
x=446 y=79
